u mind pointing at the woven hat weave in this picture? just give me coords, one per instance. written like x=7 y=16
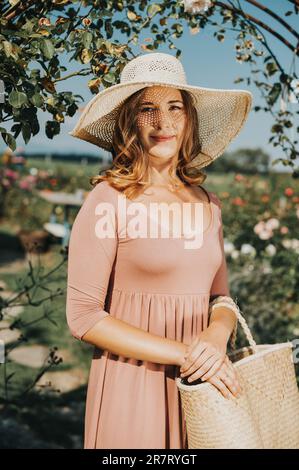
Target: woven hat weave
x=221 y=113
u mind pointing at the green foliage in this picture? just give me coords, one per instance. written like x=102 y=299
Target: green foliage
x=244 y=160
x=35 y=35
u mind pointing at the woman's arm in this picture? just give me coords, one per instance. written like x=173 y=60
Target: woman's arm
x=223 y=322
x=222 y=319
x=90 y=261
x=126 y=340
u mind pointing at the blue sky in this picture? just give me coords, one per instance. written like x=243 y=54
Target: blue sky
x=207 y=63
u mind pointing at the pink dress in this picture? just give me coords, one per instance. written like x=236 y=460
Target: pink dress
x=152 y=283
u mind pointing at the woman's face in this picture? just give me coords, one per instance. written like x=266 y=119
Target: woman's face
x=161 y=113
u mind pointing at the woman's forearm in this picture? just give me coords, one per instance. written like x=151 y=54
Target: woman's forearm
x=126 y=340
x=223 y=320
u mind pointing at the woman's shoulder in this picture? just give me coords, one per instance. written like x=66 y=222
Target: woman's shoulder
x=104 y=191
x=212 y=197
x=215 y=199
x=101 y=193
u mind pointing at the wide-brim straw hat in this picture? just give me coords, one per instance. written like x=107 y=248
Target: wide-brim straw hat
x=221 y=113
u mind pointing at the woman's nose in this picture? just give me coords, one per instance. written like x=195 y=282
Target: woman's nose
x=164 y=119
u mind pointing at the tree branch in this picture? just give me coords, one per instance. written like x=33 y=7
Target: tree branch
x=261 y=24
x=295 y=2
x=73 y=74
x=275 y=16
x=18 y=8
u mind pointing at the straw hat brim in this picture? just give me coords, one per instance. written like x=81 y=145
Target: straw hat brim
x=221 y=116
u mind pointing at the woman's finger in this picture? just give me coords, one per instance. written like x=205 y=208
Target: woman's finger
x=218 y=383
x=205 y=369
x=202 y=364
x=200 y=367
x=193 y=355
x=236 y=379
x=229 y=380
x=201 y=358
x=213 y=369
x=234 y=374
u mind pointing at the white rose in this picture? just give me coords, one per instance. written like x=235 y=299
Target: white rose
x=247 y=249
x=228 y=247
x=270 y=249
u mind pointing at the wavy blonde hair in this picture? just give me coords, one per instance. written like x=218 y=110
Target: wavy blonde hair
x=130 y=163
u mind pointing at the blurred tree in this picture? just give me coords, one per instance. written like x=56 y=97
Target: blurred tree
x=243 y=160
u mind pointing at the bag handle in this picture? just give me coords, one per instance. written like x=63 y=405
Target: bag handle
x=245 y=328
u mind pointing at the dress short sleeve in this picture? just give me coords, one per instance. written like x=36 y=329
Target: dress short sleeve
x=220 y=284
x=91 y=253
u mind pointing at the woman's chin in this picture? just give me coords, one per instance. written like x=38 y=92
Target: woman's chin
x=163 y=152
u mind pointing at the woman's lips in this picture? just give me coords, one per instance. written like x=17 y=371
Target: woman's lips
x=162 y=139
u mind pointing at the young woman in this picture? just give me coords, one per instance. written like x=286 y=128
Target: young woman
x=139 y=296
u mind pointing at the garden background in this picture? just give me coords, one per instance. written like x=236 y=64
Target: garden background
x=53 y=57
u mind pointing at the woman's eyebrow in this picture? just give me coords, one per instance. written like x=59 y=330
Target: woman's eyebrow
x=173 y=101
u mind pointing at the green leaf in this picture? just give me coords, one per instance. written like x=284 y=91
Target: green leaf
x=109 y=77
x=86 y=39
x=153 y=9
x=71 y=110
x=47 y=48
x=277 y=128
x=7 y=46
x=26 y=132
x=10 y=141
x=17 y=99
x=271 y=68
x=178 y=28
x=238 y=80
x=86 y=56
x=72 y=37
x=108 y=29
x=288 y=124
x=52 y=128
x=37 y=100
x=35 y=128
x=274 y=93
x=16 y=128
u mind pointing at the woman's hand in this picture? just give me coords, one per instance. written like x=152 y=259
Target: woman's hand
x=204 y=355
x=226 y=380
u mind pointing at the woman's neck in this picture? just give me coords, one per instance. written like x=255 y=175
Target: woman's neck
x=162 y=178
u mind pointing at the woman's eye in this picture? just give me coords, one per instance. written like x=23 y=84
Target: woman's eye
x=144 y=109
x=148 y=108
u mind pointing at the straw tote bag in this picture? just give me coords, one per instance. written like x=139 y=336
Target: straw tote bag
x=265 y=416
